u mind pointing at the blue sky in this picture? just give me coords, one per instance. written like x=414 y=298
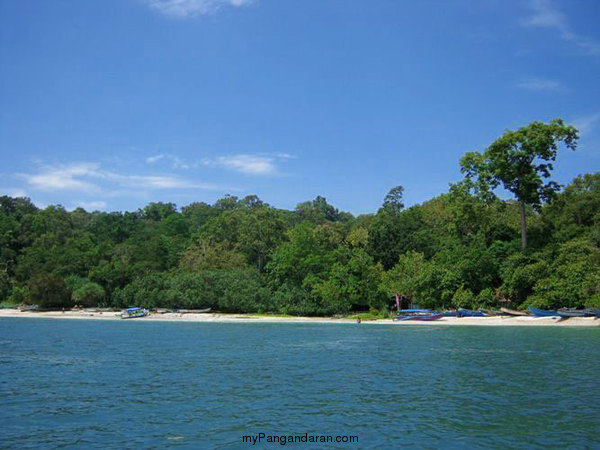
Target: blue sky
x=113 y=104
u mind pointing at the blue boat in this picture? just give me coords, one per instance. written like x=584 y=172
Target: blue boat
x=543 y=312
x=132 y=313
x=468 y=313
x=417 y=314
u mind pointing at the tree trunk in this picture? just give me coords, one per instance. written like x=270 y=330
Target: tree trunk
x=260 y=262
x=523 y=226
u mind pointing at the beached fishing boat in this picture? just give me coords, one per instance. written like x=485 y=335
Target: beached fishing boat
x=570 y=312
x=194 y=311
x=591 y=312
x=417 y=314
x=132 y=313
x=543 y=312
x=468 y=313
x=514 y=312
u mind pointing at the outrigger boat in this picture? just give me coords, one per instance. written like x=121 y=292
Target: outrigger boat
x=132 y=313
x=468 y=313
x=514 y=312
x=543 y=312
x=417 y=314
x=572 y=312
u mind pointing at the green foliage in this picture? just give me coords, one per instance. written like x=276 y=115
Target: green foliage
x=88 y=294
x=207 y=255
x=222 y=290
x=50 y=291
x=486 y=298
x=393 y=204
x=319 y=211
x=463 y=298
x=410 y=277
x=457 y=249
x=573 y=277
x=593 y=301
x=19 y=295
x=520 y=161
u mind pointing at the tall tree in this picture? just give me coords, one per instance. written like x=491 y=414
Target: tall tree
x=392 y=203
x=521 y=161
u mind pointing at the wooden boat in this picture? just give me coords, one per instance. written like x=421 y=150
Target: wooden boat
x=543 y=312
x=572 y=312
x=514 y=312
x=591 y=312
x=193 y=311
x=132 y=313
x=29 y=308
x=417 y=314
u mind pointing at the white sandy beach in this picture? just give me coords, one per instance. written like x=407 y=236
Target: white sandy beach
x=241 y=318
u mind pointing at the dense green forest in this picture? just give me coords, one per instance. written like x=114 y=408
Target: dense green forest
x=464 y=248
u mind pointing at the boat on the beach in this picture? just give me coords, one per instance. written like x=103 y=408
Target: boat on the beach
x=462 y=312
x=571 y=312
x=543 y=312
x=514 y=312
x=417 y=314
x=29 y=308
x=591 y=312
x=194 y=311
x=132 y=313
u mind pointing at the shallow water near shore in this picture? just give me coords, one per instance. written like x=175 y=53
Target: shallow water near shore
x=115 y=384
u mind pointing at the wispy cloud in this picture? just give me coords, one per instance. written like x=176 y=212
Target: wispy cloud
x=176 y=162
x=261 y=165
x=63 y=178
x=540 y=84
x=546 y=15
x=153 y=159
x=585 y=124
x=91 y=178
x=191 y=8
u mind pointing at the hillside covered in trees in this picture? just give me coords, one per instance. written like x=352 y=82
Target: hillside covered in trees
x=460 y=249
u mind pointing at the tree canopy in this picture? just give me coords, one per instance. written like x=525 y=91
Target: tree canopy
x=462 y=248
x=521 y=161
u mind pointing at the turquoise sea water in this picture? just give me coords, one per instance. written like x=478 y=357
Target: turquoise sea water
x=136 y=384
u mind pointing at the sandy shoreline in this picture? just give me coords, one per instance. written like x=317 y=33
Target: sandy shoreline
x=241 y=318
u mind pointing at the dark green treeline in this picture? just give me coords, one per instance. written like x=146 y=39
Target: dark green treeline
x=243 y=255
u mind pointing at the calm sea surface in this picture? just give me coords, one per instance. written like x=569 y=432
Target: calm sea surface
x=131 y=384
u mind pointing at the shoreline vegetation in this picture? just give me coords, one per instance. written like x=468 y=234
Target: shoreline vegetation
x=278 y=318
x=466 y=248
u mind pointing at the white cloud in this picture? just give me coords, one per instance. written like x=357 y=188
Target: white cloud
x=63 y=178
x=191 y=8
x=540 y=84
x=153 y=159
x=90 y=178
x=248 y=164
x=546 y=15
x=156 y=182
x=586 y=124
x=177 y=163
